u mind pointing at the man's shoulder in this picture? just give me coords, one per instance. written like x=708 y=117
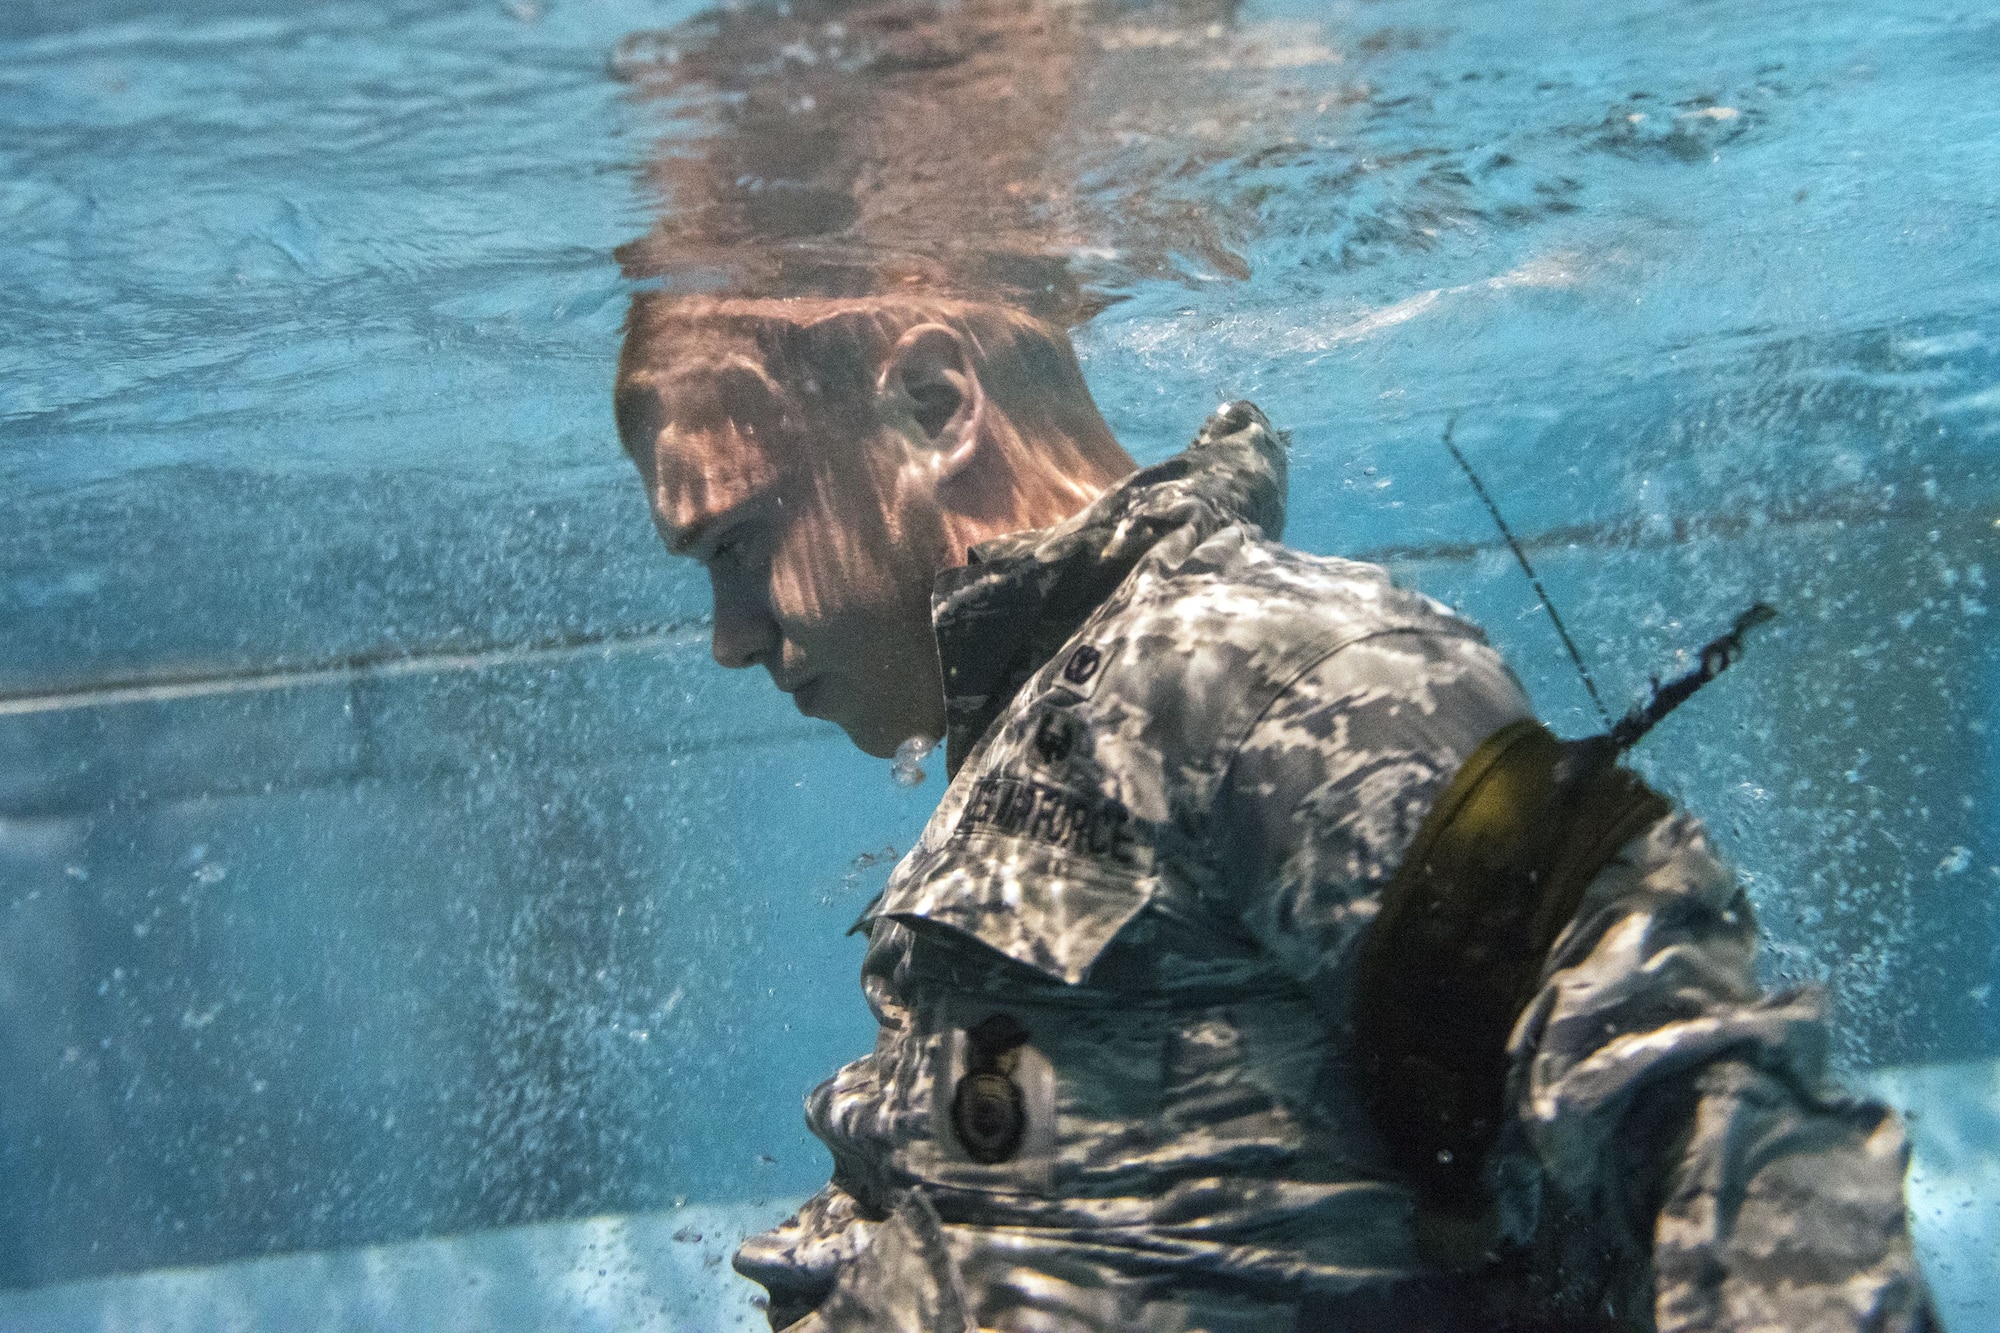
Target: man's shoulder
x=1270 y=601
x=1193 y=649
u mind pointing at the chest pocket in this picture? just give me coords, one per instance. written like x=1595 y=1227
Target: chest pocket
x=1037 y=850
x=1046 y=875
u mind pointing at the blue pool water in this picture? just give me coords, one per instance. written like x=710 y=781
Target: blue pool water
x=381 y=858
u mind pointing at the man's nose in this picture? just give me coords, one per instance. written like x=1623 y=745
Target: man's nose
x=744 y=633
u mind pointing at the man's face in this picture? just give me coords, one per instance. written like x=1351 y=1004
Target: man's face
x=820 y=555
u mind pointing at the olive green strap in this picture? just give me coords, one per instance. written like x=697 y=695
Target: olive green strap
x=1497 y=869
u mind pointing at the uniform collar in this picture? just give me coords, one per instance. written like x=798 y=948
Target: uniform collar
x=1019 y=598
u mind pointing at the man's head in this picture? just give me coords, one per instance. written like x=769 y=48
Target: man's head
x=824 y=460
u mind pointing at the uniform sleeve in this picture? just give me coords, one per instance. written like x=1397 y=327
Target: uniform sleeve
x=1674 y=1116
x=1678 y=1108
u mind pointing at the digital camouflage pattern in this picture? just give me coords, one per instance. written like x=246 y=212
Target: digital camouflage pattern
x=1185 y=761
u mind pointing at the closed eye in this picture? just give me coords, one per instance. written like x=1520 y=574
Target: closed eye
x=725 y=535
x=727 y=546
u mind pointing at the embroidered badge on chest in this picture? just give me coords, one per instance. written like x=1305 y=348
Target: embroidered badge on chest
x=1082 y=669
x=988 y=1111
x=1055 y=737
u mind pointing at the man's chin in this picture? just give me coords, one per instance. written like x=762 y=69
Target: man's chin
x=871 y=742
x=868 y=738
x=876 y=736
x=873 y=738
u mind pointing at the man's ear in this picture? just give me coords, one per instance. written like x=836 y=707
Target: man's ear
x=929 y=379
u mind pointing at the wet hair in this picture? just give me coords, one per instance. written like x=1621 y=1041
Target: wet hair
x=800 y=373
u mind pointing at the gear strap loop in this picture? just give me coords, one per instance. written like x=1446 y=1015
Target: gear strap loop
x=1496 y=871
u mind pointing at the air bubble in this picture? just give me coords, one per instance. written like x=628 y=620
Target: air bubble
x=907 y=767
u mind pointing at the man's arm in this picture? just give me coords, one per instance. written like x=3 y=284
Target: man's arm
x=1667 y=1097
x=1676 y=1115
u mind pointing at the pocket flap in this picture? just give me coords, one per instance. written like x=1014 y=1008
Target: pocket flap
x=1049 y=908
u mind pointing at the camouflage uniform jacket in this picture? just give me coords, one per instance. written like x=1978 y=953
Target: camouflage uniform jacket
x=1185 y=761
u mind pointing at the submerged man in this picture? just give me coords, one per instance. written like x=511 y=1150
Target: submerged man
x=1129 y=1072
